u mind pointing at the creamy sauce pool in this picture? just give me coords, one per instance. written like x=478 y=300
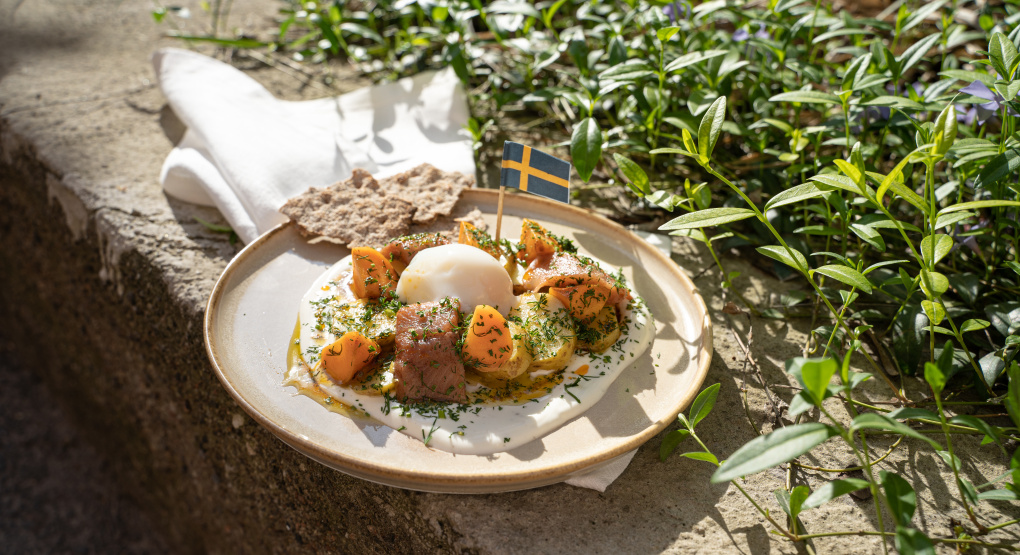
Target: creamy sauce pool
x=496 y=418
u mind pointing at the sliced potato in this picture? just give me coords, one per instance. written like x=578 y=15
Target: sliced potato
x=550 y=330
x=599 y=334
x=520 y=358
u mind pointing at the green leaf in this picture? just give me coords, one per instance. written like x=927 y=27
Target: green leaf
x=1002 y=53
x=796 y=260
x=869 y=235
x=900 y=496
x=816 y=374
x=514 y=8
x=215 y=228
x=632 y=70
x=1008 y=90
x=796 y=500
x=935 y=248
x=857 y=69
x=1012 y=400
x=701 y=456
x=974 y=324
x=977 y=204
x=693 y=58
x=951 y=460
x=898 y=102
x=935 y=378
x=794 y=194
x=636 y=177
x=703 y=404
x=845 y=274
x=893 y=175
x=777 y=447
x=832 y=490
x=839 y=33
x=586 y=147
x=916 y=52
x=670 y=442
x=969 y=76
x=911 y=413
x=876 y=421
x=993 y=433
x=918 y=16
x=933 y=311
x=667 y=33
x=945 y=130
x=665 y=199
x=711 y=126
x=933 y=284
x=1003 y=165
x=708 y=218
x=837 y=181
x=946 y=220
x=911 y=541
x=807 y=97
x=998 y=495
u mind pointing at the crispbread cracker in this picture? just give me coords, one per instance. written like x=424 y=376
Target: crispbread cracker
x=354 y=212
x=362 y=211
x=433 y=192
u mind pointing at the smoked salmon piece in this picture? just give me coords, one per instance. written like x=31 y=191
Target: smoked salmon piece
x=401 y=250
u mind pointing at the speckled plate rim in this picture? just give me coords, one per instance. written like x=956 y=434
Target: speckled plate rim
x=479 y=482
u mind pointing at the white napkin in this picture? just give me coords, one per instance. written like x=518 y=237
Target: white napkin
x=246 y=152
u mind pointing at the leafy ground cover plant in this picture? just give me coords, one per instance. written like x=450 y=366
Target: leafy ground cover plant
x=873 y=157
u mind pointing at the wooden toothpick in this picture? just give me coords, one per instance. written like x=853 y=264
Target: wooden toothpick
x=499 y=212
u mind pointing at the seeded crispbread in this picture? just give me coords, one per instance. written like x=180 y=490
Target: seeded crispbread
x=433 y=191
x=354 y=212
x=363 y=211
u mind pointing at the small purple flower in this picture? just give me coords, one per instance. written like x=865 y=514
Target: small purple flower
x=740 y=35
x=983 y=112
x=763 y=33
x=674 y=10
x=965 y=115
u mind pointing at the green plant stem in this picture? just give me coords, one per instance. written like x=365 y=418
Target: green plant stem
x=952 y=462
x=959 y=541
x=726 y=278
x=789 y=250
x=865 y=459
x=780 y=529
x=852 y=468
x=1002 y=525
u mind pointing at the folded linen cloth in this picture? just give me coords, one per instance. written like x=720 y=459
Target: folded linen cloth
x=246 y=152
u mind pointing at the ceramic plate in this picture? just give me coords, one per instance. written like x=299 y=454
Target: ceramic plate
x=250 y=320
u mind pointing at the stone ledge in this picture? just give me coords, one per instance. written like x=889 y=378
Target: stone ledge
x=102 y=293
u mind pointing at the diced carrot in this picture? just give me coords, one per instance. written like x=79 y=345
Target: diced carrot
x=373 y=274
x=583 y=301
x=536 y=242
x=348 y=355
x=471 y=235
x=487 y=342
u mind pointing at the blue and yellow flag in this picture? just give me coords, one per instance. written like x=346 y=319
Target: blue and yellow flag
x=535 y=172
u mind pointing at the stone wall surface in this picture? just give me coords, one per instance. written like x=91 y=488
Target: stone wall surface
x=103 y=281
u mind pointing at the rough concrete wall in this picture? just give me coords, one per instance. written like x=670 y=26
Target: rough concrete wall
x=127 y=361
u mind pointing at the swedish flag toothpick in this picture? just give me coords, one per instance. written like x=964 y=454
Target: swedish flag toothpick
x=533 y=171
